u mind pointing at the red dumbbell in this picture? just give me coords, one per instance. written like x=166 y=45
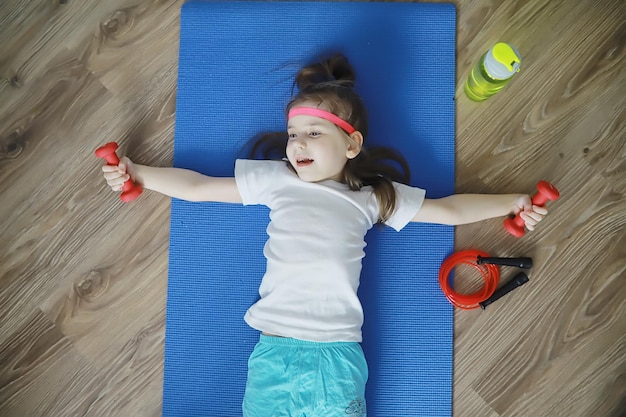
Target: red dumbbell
x=130 y=190
x=545 y=192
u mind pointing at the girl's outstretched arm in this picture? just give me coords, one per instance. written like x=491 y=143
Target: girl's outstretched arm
x=174 y=182
x=469 y=208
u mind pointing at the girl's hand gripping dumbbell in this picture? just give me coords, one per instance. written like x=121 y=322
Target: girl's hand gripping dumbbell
x=119 y=174
x=545 y=192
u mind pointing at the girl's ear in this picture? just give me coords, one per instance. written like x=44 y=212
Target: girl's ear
x=355 y=143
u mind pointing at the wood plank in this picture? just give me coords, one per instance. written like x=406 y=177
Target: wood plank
x=83 y=276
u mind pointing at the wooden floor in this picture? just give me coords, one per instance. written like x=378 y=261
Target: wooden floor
x=83 y=277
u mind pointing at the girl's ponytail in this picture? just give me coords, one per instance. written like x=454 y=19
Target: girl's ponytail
x=336 y=70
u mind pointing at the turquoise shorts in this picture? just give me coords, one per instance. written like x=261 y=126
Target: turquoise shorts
x=296 y=378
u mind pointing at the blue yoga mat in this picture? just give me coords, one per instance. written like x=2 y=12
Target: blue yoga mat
x=236 y=68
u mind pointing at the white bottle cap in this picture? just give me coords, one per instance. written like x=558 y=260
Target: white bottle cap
x=502 y=61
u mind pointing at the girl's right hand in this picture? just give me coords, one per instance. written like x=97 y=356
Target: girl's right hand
x=116 y=176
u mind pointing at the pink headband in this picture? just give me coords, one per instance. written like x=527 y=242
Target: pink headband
x=323 y=114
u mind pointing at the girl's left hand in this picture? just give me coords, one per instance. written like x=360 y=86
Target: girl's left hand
x=528 y=212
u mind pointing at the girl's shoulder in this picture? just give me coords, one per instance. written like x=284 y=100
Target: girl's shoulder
x=243 y=166
x=263 y=173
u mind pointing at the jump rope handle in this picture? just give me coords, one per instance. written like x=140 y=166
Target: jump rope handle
x=518 y=262
x=545 y=192
x=130 y=190
x=518 y=280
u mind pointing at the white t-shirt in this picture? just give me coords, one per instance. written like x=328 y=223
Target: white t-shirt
x=314 y=250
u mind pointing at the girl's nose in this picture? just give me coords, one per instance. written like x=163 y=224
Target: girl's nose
x=300 y=143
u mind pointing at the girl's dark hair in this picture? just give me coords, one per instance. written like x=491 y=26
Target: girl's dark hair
x=329 y=84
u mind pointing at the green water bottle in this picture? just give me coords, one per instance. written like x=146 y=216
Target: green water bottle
x=494 y=70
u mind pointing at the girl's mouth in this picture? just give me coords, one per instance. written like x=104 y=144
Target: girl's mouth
x=303 y=162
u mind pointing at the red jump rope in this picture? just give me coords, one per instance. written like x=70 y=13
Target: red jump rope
x=487 y=266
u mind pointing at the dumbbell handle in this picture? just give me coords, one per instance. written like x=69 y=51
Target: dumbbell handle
x=518 y=262
x=545 y=192
x=130 y=190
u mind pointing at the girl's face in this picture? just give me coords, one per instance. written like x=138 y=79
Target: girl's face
x=317 y=149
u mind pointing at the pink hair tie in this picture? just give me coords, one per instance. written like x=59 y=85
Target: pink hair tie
x=323 y=114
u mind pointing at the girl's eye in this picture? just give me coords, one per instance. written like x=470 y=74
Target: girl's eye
x=292 y=136
x=314 y=134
